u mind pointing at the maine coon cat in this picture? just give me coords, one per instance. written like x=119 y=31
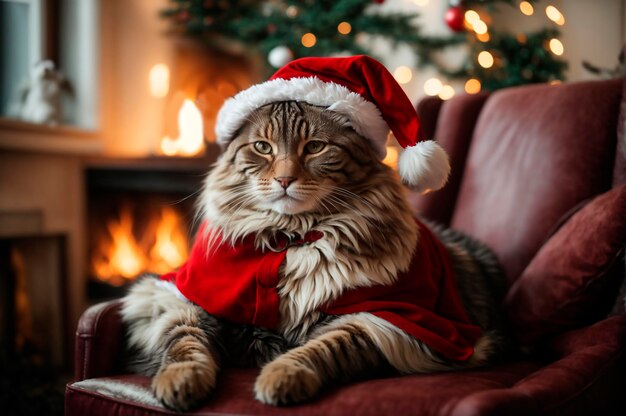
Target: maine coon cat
x=293 y=169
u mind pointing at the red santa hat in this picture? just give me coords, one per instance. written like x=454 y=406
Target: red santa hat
x=359 y=88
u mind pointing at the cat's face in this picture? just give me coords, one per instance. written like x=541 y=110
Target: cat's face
x=295 y=158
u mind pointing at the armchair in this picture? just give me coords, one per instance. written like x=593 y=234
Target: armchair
x=538 y=175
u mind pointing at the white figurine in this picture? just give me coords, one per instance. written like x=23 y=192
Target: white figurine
x=40 y=100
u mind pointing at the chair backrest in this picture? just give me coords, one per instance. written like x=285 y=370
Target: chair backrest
x=451 y=125
x=535 y=153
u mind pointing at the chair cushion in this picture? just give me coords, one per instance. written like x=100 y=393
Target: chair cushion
x=415 y=394
x=573 y=279
x=579 y=372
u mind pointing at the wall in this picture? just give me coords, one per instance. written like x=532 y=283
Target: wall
x=133 y=40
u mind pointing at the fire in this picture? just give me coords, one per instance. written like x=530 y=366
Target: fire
x=190 y=140
x=121 y=256
x=170 y=249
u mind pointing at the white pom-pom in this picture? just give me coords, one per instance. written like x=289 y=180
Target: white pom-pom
x=424 y=166
x=279 y=56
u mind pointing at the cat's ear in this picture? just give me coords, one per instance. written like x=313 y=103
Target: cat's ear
x=424 y=166
x=339 y=119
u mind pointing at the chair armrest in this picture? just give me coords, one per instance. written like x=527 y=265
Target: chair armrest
x=99 y=341
x=585 y=375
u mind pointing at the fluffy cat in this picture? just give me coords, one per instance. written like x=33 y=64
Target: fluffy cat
x=290 y=169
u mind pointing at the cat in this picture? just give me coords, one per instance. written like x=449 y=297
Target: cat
x=290 y=169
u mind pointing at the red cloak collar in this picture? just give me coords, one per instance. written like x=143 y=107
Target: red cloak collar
x=239 y=284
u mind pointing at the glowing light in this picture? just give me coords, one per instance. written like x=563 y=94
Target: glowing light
x=472 y=17
x=480 y=27
x=446 y=92
x=403 y=74
x=432 y=86
x=526 y=8
x=555 y=15
x=308 y=40
x=190 y=140
x=556 y=47
x=472 y=86
x=485 y=59
x=159 y=80
x=421 y=2
x=292 y=11
x=484 y=37
x=521 y=38
x=344 y=28
x=556 y=82
x=391 y=159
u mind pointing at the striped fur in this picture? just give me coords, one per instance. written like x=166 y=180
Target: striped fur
x=358 y=203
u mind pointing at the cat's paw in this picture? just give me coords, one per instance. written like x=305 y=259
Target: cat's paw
x=284 y=382
x=181 y=385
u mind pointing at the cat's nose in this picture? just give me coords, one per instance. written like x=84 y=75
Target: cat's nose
x=285 y=181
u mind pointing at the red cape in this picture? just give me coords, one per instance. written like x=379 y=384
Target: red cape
x=239 y=284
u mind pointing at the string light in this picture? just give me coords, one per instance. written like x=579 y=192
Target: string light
x=403 y=74
x=292 y=11
x=526 y=8
x=472 y=17
x=555 y=15
x=556 y=47
x=485 y=59
x=308 y=40
x=432 y=86
x=472 y=86
x=480 y=27
x=446 y=92
x=344 y=28
x=484 y=37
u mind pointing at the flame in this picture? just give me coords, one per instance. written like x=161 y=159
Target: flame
x=190 y=140
x=159 y=80
x=170 y=249
x=391 y=159
x=121 y=257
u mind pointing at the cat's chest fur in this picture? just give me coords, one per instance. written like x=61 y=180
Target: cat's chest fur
x=316 y=274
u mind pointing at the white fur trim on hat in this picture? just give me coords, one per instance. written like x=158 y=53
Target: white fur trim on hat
x=424 y=166
x=364 y=116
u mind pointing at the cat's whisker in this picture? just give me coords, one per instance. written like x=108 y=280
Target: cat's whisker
x=183 y=199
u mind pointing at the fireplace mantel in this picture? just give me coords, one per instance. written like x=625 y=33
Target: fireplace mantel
x=22 y=136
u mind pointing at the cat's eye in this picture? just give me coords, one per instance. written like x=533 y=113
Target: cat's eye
x=263 y=147
x=314 y=146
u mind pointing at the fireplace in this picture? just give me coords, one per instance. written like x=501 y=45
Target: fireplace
x=140 y=218
x=32 y=299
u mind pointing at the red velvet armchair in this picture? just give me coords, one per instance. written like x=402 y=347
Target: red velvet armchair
x=538 y=174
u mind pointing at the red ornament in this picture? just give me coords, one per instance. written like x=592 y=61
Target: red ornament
x=455 y=18
x=379 y=1
x=183 y=16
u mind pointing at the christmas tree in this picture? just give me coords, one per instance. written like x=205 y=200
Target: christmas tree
x=282 y=30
